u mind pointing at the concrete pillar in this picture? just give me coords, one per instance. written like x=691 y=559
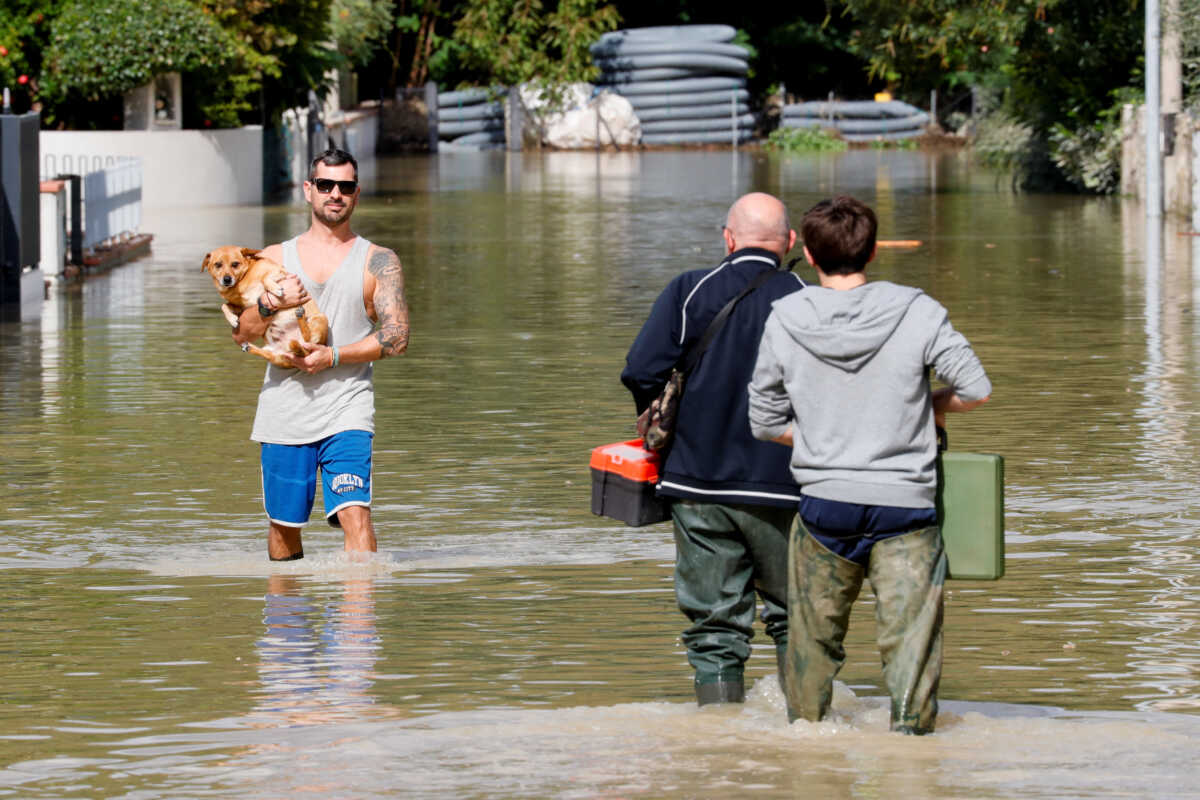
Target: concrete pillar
x=1171 y=68
x=1176 y=131
x=53 y=224
x=431 y=103
x=514 y=120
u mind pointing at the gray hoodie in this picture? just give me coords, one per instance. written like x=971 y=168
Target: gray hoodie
x=851 y=368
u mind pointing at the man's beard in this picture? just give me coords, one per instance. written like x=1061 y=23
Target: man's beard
x=332 y=217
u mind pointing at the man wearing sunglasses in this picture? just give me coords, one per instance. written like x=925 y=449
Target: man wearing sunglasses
x=320 y=416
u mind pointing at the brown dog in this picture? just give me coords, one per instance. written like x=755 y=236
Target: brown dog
x=241 y=276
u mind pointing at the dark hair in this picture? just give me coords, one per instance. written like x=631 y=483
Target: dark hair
x=333 y=157
x=840 y=235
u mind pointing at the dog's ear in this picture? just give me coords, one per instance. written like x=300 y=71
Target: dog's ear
x=249 y=252
x=207 y=258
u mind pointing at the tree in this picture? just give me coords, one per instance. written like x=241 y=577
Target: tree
x=242 y=60
x=417 y=40
x=24 y=26
x=100 y=49
x=512 y=42
x=1186 y=21
x=1072 y=57
x=1073 y=69
x=283 y=49
x=419 y=47
x=360 y=28
x=913 y=46
x=1060 y=69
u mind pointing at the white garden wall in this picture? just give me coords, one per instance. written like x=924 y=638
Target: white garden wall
x=181 y=168
x=188 y=168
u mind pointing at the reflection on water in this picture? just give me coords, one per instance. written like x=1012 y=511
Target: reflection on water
x=505 y=642
x=530 y=683
x=316 y=664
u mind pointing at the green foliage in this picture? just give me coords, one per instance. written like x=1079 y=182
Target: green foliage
x=1089 y=156
x=361 y=27
x=1067 y=81
x=101 y=48
x=242 y=60
x=916 y=45
x=804 y=140
x=512 y=42
x=1072 y=56
x=1187 y=24
x=1054 y=63
x=1002 y=140
x=424 y=42
x=281 y=50
x=742 y=39
x=24 y=25
x=893 y=144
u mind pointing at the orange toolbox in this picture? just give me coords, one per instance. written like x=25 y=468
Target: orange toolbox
x=624 y=475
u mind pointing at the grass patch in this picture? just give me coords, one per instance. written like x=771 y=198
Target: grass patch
x=804 y=140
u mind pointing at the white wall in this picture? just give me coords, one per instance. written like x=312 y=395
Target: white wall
x=182 y=168
x=201 y=168
x=356 y=132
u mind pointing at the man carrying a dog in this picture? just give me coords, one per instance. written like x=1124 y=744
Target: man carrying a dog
x=733 y=497
x=321 y=414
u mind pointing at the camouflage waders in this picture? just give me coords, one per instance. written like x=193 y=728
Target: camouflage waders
x=906 y=574
x=724 y=553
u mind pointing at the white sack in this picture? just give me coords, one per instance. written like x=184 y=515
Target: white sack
x=585 y=118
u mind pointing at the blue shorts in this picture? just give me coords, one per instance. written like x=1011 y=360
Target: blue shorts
x=289 y=477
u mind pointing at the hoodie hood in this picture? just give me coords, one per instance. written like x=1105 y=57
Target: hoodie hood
x=845 y=328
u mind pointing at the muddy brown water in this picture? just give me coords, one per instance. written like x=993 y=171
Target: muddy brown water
x=507 y=643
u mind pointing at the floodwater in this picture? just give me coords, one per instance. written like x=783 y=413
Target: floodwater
x=506 y=643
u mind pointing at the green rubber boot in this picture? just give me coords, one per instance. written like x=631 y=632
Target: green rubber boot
x=822 y=588
x=907 y=574
x=781 y=667
x=725 y=557
x=722 y=691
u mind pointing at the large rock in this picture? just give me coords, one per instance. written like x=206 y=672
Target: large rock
x=581 y=119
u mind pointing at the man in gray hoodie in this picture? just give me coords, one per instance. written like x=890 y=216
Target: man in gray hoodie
x=842 y=377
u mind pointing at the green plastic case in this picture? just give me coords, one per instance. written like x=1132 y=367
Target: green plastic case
x=970 y=505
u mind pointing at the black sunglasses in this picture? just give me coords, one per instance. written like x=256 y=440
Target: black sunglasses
x=325 y=185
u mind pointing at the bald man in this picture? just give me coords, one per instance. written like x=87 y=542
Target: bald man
x=732 y=496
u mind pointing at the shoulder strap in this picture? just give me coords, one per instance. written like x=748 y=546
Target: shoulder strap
x=714 y=327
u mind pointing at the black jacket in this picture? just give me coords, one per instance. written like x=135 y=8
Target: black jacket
x=713 y=457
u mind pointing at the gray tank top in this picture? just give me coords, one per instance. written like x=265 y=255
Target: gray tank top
x=297 y=408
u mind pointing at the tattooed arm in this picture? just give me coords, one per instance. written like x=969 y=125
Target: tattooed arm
x=384 y=287
x=383 y=296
